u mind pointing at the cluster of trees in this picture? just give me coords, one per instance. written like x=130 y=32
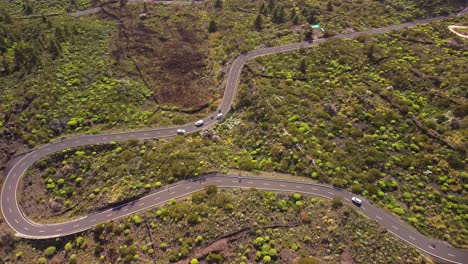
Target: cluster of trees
x=278 y=14
x=24 y=43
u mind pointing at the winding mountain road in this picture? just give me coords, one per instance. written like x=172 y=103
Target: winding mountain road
x=28 y=229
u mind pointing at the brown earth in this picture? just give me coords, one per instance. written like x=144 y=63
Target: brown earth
x=171 y=59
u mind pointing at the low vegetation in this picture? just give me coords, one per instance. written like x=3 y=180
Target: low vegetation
x=117 y=172
x=387 y=122
x=384 y=116
x=220 y=226
x=141 y=64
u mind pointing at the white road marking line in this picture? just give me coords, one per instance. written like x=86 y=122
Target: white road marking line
x=76 y=225
x=363 y=208
x=8 y=199
x=142 y=204
x=378 y=217
x=157 y=198
x=25 y=228
x=16 y=221
x=58 y=230
x=41 y=231
x=9 y=187
x=412 y=237
x=117 y=137
x=108 y=215
x=234 y=181
x=145 y=134
x=250 y=182
x=104 y=138
x=203 y=183
x=451 y=255
x=92 y=220
x=330 y=193
x=9 y=209
x=430 y=247
x=314 y=189
x=125 y=209
x=266 y=184
x=188 y=187
x=395 y=227
x=299 y=187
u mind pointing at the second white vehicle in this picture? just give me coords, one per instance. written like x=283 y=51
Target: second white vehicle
x=219 y=116
x=181 y=131
x=199 y=123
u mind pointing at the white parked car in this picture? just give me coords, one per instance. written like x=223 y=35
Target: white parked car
x=181 y=131
x=199 y=123
x=356 y=201
x=219 y=116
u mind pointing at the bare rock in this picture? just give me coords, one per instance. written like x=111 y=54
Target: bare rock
x=209 y=133
x=330 y=109
x=455 y=123
x=56 y=204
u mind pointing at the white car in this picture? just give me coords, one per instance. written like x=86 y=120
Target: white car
x=356 y=201
x=180 y=131
x=219 y=116
x=199 y=123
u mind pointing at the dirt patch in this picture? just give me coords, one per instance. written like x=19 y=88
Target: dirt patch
x=217 y=246
x=346 y=256
x=168 y=53
x=222 y=244
x=287 y=256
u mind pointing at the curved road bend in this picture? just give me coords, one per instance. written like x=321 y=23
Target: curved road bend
x=26 y=228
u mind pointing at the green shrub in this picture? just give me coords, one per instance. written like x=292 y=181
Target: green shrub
x=399 y=211
x=50 y=251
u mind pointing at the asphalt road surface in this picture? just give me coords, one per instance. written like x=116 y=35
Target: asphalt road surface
x=28 y=229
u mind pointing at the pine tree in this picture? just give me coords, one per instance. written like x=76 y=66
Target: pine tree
x=258 y=22
x=295 y=20
x=271 y=5
x=281 y=15
x=218 y=4
x=5 y=16
x=309 y=35
x=278 y=15
x=263 y=9
x=27 y=8
x=303 y=66
x=212 y=27
x=54 y=48
x=293 y=13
